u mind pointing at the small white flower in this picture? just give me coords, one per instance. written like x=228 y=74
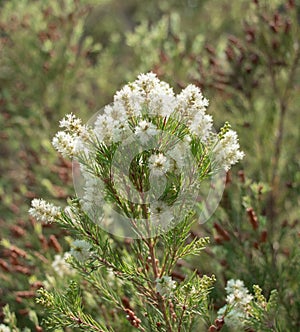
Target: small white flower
x=159 y=164
x=226 y=152
x=165 y=286
x=130 y=100
x=147 y=82
x=121 y=131
x=145 y=130
x=60 y=266
x=4 y=328
x=162 y=101
x=44 y=211
x=71 y=123
x=115 y=113
x=237 y=293
x=191 y=101
x=201 y=125
x=103 y=128
x=234 y=319
x=80 y=250
x=238 y=298
x=233 y=284
x=108 y=130
x=64 y=143
x=74 y=138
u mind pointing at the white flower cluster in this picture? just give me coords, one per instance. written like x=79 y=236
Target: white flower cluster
x=192 y=107
x=226 y=151
x=60 y=265
x=150 y=96
x=147 y=98
x=145 y=130
x=159 y=164
x=44 y=211
x=73 y=138
x=134 y=111
x=4 y=328
x=64 y=143
x=165 y=285
x=81 y=250
x=148 y=131
x=238 y=300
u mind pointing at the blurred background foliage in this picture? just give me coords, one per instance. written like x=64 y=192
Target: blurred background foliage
x=62 y=56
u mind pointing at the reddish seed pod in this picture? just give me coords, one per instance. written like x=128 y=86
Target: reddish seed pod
x=218 y=239
x=178 y=275
x=241 y=59
x=4 y=265
x=41 y=257
x=36 y=285
x=125 y=302
x=14 y=259
x=286 y=252
x=19 y=300
x=250 y=34
x=222 y=232
x=23 y=312
x=47 y=12
x=242 y=177
x=287 y=27
x=254 y=58
x=229 y=53
x=223 y=262
x=276 y=18
x=133 y=319
x=219 y=322
x=25 y=294
x=53 y=242
x=46 y=66
x=263 y=236
x=212 y=328
x=210 y=49
x=252 y=218
x=22 y=269
x=275 y=44
x=248 y=69
x=273 y=27
x=19 y=252
x=228 y=178
x=212 y=61
x=43 y=242
x=291 y=4
x=17 y=231
x=233 y=40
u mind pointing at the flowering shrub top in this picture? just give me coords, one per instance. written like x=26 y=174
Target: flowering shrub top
x=146 y=157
